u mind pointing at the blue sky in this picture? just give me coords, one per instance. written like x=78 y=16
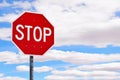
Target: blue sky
x=87 y=42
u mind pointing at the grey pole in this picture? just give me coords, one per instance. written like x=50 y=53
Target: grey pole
x=31 y=68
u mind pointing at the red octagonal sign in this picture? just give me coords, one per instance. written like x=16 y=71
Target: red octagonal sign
x=33 y=33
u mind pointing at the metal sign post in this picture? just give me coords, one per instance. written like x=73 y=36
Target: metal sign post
x=31 y=67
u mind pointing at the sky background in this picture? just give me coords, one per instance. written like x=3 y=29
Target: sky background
x=87 y=40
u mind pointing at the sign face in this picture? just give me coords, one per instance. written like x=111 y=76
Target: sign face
x=32 y=33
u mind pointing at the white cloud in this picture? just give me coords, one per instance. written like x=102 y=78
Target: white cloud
x=43 y=69
x=5 y=34
x=11 y=57
x=1 y=74
x=8 y=17
x=79 y=22
x=22 y=68
x=74 y=73
x=2 y=77
x=71 y=57
x=4 y=4
x=36 y=69
x=108 y=71
x=54 y=77
x=11 y=78
x=93 y=23
x=22 y=4
x=84 y=75
x=115 y=66
x=78 y=58
x=84 y=70
x=107 y=78
x=16 y=4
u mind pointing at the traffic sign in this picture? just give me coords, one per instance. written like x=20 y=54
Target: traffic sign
x=32 y=33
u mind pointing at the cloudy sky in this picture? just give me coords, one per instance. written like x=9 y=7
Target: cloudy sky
x=87 y=40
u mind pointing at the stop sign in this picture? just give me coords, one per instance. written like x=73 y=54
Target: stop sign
x=32 y=33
